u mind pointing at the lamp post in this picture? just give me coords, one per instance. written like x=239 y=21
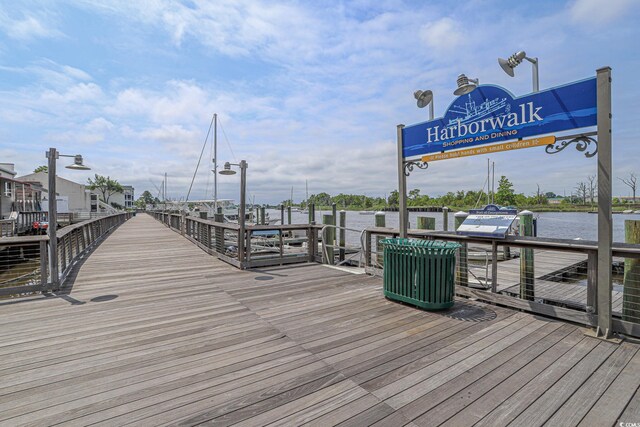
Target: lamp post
x=465 y=85
x=77 y=164
x=514 y=60
x=243 y=206
x=424 y=98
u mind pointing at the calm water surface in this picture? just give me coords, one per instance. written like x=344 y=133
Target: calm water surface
x=561 y=225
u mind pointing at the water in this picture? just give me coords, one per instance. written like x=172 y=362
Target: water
x=559 y=225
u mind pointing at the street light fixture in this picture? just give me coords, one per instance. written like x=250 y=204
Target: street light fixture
x=243 y=205
x=514 y=60
x=227 y=170
x=77 y=164
x=424 y=98
x=465 y=85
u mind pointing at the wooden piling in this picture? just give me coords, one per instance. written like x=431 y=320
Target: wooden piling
x=330 y=236
x=282 y=214
x=289 y=214
x=462 y=266
x=379 y=222
x=445 y=219
x=631 y=282
x=526 y=258
x=426 y=223
x=341 y=233
x=312 y=212
x=263 y=215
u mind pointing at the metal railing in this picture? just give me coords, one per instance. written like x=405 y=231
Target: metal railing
x=24 y=263
x=264 y=245
x=552 y=277
x=346 y=253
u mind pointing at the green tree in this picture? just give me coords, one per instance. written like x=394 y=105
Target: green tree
x=42 y=168
x=414 y=194
x=322 y=199
x=505 y=195
x=394 y=198
x=145 y=199
x=105 y=185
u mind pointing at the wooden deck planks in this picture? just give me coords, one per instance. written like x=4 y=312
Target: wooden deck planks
x=155 y=331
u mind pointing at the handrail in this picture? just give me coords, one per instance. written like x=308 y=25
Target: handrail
x=73 y=243
x=214 y=237
x=325 y=254
x=550 y=281
x=518 y=241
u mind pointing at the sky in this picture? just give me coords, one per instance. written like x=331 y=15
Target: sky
x=309 y=93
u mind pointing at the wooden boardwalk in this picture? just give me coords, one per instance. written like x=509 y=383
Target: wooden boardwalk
x=155 y=332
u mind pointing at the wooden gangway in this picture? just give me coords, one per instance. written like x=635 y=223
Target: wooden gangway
x=154 y=331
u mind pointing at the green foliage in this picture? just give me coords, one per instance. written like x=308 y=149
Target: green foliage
x=146 y=199
x=41 y=169
x=505 y=195
x=394 y=198
x=105 y=185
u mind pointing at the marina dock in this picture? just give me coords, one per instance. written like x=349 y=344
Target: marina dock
x=549 y=269
x=152 y=330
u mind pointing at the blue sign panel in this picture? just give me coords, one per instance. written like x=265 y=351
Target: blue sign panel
x=491 y=114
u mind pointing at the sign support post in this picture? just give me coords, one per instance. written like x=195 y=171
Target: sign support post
x=603 y=299
x=402 y=187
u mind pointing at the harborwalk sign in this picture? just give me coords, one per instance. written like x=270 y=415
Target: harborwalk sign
x=492 y=114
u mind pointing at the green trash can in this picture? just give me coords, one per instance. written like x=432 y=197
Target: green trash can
x=420 y=272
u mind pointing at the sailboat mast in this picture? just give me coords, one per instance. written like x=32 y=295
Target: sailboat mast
x=488 y=181
x=306 y=186
x=493 y=181
x=215 y=162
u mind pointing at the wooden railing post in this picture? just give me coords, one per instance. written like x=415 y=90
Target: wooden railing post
x=367 y=248
x=43 y=266
x=592 y=279
x=526 y=258
x=379 y=222
x=342 y=232
x=219 y=218
x=247 y=246
x=312 y=243
x=328 y=239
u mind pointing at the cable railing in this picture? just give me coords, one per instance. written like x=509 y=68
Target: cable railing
x=255 y=246
x=25 y=267
x=345 y=253
x=552 y=277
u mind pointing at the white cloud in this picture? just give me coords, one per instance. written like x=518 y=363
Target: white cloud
x=27 y=28
x=177 y=101
x=590 y=12
x=442 y=35
x=92 y=132
x=79 y=93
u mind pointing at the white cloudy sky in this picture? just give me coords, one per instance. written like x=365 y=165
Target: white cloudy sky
x=305 y=90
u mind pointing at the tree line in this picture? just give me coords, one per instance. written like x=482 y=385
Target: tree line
x=584 y=193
